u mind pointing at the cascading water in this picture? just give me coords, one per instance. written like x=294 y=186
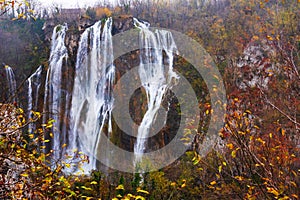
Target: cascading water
x=155 y=75
x=12 y=88
x=92 y=100
x=53 y=100
x=34 y=83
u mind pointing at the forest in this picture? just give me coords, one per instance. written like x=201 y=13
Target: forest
x=255 y=45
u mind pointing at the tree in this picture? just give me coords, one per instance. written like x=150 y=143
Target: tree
x=18 y=9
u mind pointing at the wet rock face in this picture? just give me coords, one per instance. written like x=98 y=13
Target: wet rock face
x=3 y=84
x=75 y=29
x=122 y=23
x=72 y=44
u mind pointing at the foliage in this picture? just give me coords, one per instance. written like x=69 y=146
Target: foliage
x=16 y=9
x=25 y=46
x=257 y=156
x=26 y=170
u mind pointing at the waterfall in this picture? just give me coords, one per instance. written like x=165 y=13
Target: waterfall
x=53 y=100
x=89 y=107
x=155 y=75
x=34 y=83
x=92 y=96
x=11 y=81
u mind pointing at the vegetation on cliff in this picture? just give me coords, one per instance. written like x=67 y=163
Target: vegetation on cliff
x=256 y=45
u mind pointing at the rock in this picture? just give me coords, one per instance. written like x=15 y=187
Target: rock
x=122 y=23
x=71 y=41
x=254 y=67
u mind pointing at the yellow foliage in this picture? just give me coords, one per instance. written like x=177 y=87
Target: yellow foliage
x=101 y=12
x=120 y=187
x=213 y=183
x=260 y=140
x=184 y=183
x=233 y=153
x=24 y=175
x=142 y=191
x=220 y=168
x=273 y=191
x=239 y=178
x=230 y=146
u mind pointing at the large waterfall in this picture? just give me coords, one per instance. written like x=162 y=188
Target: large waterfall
x=12 y=88
x=92 y=94
x=54 y=95
x=155 y=75
x=81 y=117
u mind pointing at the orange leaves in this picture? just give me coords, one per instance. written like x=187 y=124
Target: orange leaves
x=282 y=131
x=255 y=37
x=256 y=127
x=261 y=141
x=269 y=37
x=237 y=115
x=213 y=183
x=239 y=178
x=100 y=12
x=241 y=132
x=273 y=191
x=256 y=150
x=230 y=146
x=236 y=99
